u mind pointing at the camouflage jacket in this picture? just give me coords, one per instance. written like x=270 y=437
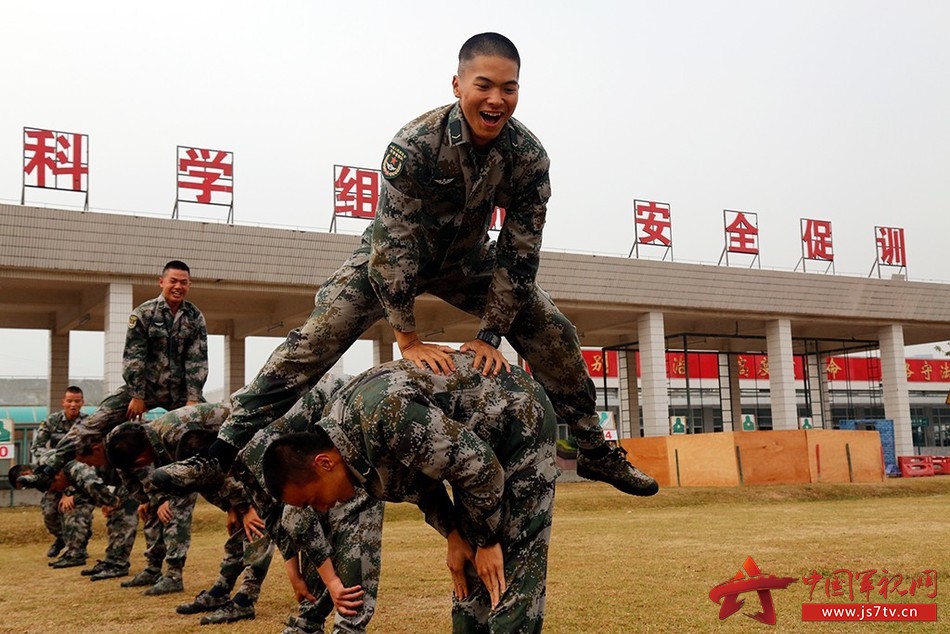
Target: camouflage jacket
x=50 y=432
x=165 y=361
x=87 y=481
x=436 y=206
x=404 y=432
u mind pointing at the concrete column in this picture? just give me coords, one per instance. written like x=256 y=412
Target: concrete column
x=58 y=368
x=118 y=308
x=656 y=409
x=818 y=391
x=383 y=350
x=894 y=375
x=729 y=397
x=234 y=363
x=629 y=394
x=781 y=374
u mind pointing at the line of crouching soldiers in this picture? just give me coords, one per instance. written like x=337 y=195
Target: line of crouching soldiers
x=113 y=473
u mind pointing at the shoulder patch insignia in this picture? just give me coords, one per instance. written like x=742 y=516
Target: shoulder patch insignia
x=132 y=321
x=394 y=161
x=455 y=131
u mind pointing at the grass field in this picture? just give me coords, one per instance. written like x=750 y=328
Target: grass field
x=617 y=564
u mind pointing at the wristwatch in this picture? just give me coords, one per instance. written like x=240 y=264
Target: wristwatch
x=490 y=337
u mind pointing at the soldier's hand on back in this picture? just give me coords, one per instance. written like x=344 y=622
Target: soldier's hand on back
x=135 y=410
x=488 y=360
x=430 y=356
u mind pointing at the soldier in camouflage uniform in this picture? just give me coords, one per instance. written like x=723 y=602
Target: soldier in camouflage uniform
x=332 y=559
x=401 y=433
x=121 y=517
x=135 y=449
x=444 y=174
x=247 y=549
x=87 y=489
x=165 y=360
x=50 y=432
x=241 y=554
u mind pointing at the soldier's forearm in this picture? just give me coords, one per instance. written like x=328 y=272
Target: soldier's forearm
x=406 y=340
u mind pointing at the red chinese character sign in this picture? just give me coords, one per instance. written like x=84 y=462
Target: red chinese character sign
x=355 y=193
x=55 y=160
x=653 y=227
x=205 y=177
x=741 y=230
x=891 y=250
x=817 y=244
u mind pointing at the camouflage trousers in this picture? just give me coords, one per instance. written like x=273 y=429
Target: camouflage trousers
x=170 y=542
x=352 y=534
x=251 y=558
x=110 y=413
x=121 y=526
x=526 y=534
x=346 y=305
x=52 y=516
x=77 y=526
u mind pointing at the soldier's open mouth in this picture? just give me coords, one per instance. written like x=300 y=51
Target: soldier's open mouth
x=491 y=118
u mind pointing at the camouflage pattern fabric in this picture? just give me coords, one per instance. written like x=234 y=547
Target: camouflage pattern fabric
x=50 y=432
x=166 y=356
x=251 y=558
x=436 y=206
x=404 y=431
x=121 y=527
x=346 y=305
x=247 y=468
x=88 y=491
x=52 y=516
x=165 y=362
x=77 y=526
x=87 y=481
x=170 y=542
x=164 y=433
x=430 y=235
x=351 y=535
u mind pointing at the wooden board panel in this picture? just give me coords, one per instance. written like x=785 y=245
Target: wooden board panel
x=652 y=455
x=774 y=457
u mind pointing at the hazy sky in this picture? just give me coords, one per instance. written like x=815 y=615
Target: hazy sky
x=834 y=110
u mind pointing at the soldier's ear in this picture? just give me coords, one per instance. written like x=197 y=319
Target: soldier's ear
x=455 y=87
x=323 y=462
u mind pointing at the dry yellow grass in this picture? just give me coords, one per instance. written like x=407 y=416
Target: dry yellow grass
x=617 y=564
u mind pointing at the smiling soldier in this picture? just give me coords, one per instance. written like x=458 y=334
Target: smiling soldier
x=164 y=362
x=444 y=175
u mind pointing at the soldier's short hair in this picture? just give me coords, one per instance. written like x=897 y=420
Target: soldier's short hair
x=74 y=389
x=491 y=44
x=125 y=443
x=289 y=459
x=178 y=265
x=16 y=471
